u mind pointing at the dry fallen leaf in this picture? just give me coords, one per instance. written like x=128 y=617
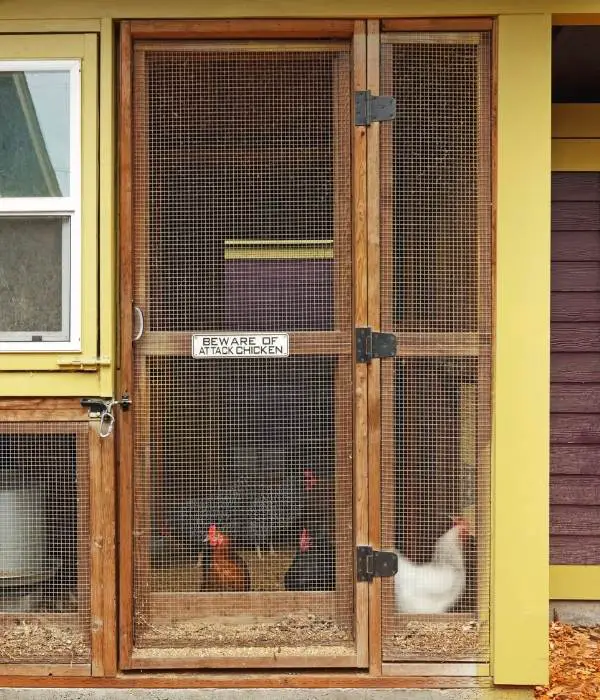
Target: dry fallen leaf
x=574 y=664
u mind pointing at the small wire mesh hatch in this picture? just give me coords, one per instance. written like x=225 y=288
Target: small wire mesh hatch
x=243 y=467
x=44 y=543
x=435 y=267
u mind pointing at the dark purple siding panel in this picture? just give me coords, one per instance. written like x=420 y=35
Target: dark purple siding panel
x=575 y=367
x=575 y=337
x=576 y=276
x=575 y=307
x=575 y=520
x=574 y=491
x=279 y=295
x=575 y=398
x=574 y=550
x=575 y=370
x=575 y=216
x=575 y=459
x=576 y=187
x=575 y=428
x=575 y=245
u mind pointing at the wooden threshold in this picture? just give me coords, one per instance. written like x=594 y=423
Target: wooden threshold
x=179 y=344
x=323 y=679
x=421 y=669
x=273 y=657
x=242 y=29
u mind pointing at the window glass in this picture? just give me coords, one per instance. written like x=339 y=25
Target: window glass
x=34 y=277
x=34 y=133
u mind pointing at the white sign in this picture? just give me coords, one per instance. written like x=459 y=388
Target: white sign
x=211 y=345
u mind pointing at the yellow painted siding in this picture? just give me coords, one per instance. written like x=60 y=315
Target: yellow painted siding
x=520 y=493
x=49 y=384
x=61 y=26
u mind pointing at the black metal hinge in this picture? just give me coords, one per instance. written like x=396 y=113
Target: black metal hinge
x=370 y=108
x=371 y=563
x=371 y=344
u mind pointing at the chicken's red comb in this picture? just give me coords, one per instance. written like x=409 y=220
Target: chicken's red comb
x=304 y=540
x=463 y=525
x=310 y=479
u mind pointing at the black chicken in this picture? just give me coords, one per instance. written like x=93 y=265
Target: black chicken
x=254 y=515
x=313 y=568
x=275 y=517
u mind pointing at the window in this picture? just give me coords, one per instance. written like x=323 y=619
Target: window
x=40 y=205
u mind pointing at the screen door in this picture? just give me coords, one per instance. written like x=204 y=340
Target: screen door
x=239 y=525
x=436 y=257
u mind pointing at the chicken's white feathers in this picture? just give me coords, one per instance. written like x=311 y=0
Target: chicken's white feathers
x=434 y=587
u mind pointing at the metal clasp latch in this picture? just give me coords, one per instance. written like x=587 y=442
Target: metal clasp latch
x=102 y=410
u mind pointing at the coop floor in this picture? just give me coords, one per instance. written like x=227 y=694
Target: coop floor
x=293 y=635
x=31 y=640
x=422 y=640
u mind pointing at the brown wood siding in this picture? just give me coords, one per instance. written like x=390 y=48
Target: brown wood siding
x=575 y=370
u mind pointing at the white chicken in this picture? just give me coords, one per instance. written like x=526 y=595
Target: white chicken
x=436 y=586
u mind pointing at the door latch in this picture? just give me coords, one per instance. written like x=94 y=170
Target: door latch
x=102 y=409
x=371 y=563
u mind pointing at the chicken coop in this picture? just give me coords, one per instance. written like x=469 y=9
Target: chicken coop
x=271 y=439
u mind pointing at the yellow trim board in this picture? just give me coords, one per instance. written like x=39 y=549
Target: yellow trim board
x=108 y=288
x=521 y=405
x=577 y=582
x=270 y=249
x=575 y=155
x=575 y=121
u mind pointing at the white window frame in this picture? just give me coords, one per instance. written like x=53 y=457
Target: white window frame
x=69 y=337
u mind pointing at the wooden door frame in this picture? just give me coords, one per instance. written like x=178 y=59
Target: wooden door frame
x=254 y=29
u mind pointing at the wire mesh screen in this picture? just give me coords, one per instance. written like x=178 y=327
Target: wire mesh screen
x=436 y=259
x=242 y=466
x=44 y=543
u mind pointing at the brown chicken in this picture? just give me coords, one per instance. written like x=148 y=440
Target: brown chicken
x=226 y=571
